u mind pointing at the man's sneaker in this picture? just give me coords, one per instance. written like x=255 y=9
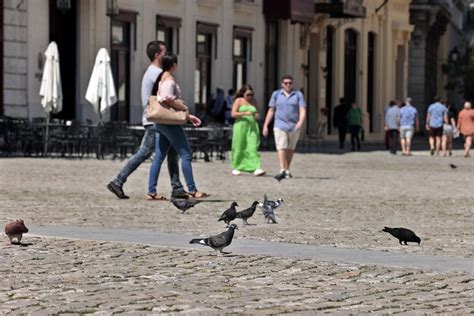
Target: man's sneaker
x=259 y=172
x=117 y=190
x=280 y=176
x=288 y=174
x=235 y=172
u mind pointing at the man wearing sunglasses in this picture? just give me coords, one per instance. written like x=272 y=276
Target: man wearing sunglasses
x=289 y=108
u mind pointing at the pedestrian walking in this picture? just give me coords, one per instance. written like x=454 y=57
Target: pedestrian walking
x=466 y=126
x=435 y=118
x=354 y=121
x=245 y=133
x=155 y=51
x=448 y=131
x=340 y=121
x=289 y=109
x=172 y=136
x=409 y=124
x=229 y=101
x=392 y=125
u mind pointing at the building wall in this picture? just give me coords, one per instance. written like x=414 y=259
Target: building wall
x=15 y=71
x=392 y=29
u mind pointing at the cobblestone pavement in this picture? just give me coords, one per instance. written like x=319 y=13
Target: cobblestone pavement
x=69 y=276
x=333 y=200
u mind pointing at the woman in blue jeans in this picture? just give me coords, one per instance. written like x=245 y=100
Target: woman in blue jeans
x=172 y=135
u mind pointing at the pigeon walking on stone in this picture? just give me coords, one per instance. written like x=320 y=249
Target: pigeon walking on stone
x=217 y=242
x=184 y=204
x=453 y=166
x=16 y=230
x=247 y=213
x=269 y=214
x=403 y=235
x=229 y=214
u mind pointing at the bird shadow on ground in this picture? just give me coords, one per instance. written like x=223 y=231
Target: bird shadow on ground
x=216 y=201
x=21 y=244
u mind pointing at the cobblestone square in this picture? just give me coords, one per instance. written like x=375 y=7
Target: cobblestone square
x=336 y=201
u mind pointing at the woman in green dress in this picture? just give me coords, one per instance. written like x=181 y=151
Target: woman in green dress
x=245 y=133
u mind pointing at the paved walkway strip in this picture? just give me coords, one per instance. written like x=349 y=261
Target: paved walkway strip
x=255 y=247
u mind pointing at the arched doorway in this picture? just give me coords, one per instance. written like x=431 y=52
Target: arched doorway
x=350 y=65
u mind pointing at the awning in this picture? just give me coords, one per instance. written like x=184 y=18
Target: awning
x=298 y=11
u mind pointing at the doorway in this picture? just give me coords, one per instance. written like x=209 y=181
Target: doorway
x=371 y=80
x=62 y=30
x=328 y=74
x=120 y=64
x=350 y=66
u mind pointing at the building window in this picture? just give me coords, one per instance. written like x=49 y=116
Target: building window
x=206 y=45
x=241 y=55
x=167 y=30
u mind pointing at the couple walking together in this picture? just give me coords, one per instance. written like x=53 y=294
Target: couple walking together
x=164 y=140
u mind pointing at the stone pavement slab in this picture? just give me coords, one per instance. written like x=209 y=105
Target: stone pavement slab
x=61 y=276
x=255 y=247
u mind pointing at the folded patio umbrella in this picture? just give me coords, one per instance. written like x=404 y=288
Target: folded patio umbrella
x=51 y=91
x=101 y=90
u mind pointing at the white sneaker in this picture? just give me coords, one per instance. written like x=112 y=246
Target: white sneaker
x=259 y=172
x=288 y=174
x=235 y=172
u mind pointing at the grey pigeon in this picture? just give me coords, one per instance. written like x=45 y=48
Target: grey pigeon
x=16 y=230
x=403 y=235
x=247 y=213
x=453 y=166
x=269 y=214
x=184 y=204
x=229 y=214
x=273 y=204
x=217 y=242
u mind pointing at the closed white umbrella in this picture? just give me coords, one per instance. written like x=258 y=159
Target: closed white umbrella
x=101 y=90
x=51 y=90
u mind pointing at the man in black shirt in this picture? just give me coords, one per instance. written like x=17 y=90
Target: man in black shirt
x=340 y=121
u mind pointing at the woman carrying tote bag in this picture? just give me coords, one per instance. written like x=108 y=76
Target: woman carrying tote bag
x=172 y=135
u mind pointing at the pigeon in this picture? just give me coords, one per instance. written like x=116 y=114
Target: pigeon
x=184 y=204
x=217 y=242
x=15 y=230
x=229 y=214
x=273 y=204
x=269 y=214
x=403 y=235
x=453 y=166
x=247 y=213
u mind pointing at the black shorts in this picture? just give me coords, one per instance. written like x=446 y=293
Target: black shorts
x=436 y=131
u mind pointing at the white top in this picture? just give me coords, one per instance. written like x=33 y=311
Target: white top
x=149 y=78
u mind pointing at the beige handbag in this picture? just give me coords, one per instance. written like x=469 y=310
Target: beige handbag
x=160 y=112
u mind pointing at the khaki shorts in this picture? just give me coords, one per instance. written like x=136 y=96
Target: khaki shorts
x=286 y=140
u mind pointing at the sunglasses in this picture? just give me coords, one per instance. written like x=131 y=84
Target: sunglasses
x=287 y=82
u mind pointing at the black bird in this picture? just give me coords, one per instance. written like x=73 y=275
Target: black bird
x=184 y=204
x=269 y=214
x=453 y=166
x=247 y=213
x=403 y=235
x=217 y=242
x=229 y=214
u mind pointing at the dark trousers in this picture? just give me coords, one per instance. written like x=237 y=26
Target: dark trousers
x=355 y=138
x=342 y=130
x=394 y=135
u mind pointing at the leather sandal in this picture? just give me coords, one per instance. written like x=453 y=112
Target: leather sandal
x=155 y=197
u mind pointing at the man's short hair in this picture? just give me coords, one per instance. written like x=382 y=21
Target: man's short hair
x=153 y=48
x=287 y=77
x=437 y=99
x=392 y=103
